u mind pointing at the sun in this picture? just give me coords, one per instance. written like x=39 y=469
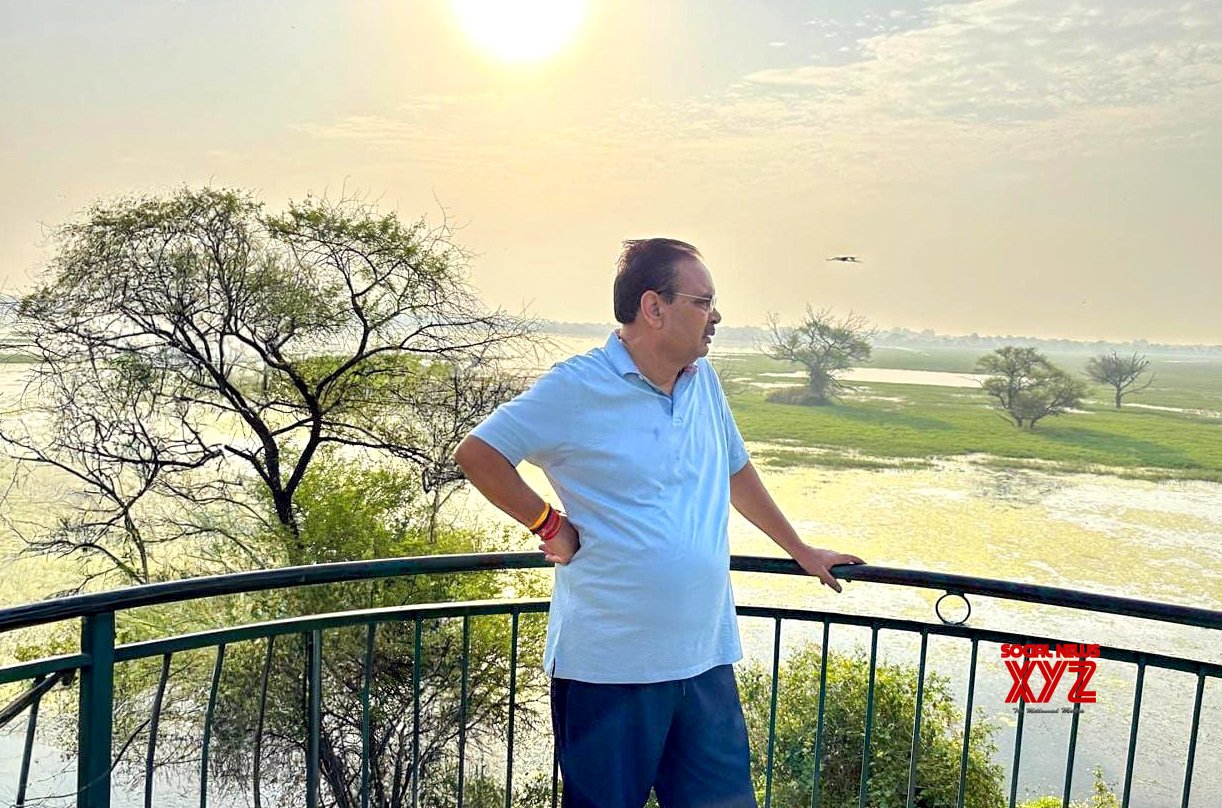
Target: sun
x=520 y=30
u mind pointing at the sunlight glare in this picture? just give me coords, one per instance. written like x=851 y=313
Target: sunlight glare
x=520 y=30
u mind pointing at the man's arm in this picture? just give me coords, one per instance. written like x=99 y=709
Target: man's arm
x=752 y=500
x=499 y=482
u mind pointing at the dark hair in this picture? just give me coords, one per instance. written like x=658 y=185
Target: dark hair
x=647 y=264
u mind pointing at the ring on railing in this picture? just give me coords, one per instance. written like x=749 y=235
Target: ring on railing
x=937 y=608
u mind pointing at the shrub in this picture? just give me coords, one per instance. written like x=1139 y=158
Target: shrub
x=937 y=782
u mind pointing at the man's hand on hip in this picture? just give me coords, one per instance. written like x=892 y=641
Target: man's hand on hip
x=563 y=546
x=818 y=562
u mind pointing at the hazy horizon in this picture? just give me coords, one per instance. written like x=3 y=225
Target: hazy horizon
x=1001 y=166
x=888 y=335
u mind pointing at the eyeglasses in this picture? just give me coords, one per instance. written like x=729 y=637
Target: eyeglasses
x=703 y=303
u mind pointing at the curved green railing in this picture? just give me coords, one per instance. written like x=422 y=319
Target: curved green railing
x=92 y=667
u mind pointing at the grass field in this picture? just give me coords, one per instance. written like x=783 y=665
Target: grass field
x=895 y=425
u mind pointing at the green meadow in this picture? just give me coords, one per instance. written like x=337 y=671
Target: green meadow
x=885 y=425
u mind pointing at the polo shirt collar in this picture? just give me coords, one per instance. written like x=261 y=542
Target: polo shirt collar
x=621 y=360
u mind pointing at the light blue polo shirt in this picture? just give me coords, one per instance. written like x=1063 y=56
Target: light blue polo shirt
x=645 y=479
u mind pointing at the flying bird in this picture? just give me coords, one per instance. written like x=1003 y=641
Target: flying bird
x=848 y=259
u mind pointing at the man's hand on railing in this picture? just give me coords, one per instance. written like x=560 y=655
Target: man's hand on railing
x=818 y=562
x=561 y=548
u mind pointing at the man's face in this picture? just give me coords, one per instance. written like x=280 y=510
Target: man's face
x=692 y=314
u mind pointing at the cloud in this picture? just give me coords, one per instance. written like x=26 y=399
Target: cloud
x=1026 y=80
x=1022 y=60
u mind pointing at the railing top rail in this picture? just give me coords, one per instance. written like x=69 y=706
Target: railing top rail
x=57 y=609
x=990 y=587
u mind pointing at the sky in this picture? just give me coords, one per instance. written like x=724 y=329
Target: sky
x=1050 y=169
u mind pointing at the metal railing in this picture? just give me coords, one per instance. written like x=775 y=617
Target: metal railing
x=93 y=669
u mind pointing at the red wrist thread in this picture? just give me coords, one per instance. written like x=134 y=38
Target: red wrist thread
x=550 y=527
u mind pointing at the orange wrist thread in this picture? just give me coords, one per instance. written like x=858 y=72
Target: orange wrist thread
x=547 y=511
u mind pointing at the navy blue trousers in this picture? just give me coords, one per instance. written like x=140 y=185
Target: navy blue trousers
x=685 y=738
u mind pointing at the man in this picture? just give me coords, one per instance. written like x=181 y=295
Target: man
x=639 y=444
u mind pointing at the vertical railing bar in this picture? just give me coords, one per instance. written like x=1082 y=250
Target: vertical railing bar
x=1073 y=745
x=96 y=711
x=513 y=692
x=417 y=658
x=396 y=789
x=27 y=750
x=258 y=761
x=555 y=775
x=865 y=753
x=967 y=724
x=1128 y=766
x=314 y=713
x=814 y=797
x=154 y=723
x=916 y=721
x=462 y=707
x=1192 y=738
x=366 y=685
x=212 y=691
x=1018 y=750
x=776 y=672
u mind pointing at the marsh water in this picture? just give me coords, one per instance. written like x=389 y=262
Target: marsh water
x=1153 y=541
x=1158 y=541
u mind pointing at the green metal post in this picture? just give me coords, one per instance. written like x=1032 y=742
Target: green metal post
x=1128 y=767
x=1018 y=751
x=863 y=793
x=916 y=723
x=150 y=758
x=814 y=797
x=1192 y=738
x=462 y=709
x=776 y=668
x=417 y=660
x=208 y=715
x=258 y=754
x=370 y=637
x=28 y=750
x=96 y=715
x=967 y=724
x=313 y=715
x=1073 y=746
x=513 y=695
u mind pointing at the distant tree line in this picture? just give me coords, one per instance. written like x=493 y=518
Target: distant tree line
x=926 y=338
x=1023 y=382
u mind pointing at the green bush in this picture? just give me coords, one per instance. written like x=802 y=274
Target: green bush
x=1102 y=796
x=937 y=782
x=349 y=510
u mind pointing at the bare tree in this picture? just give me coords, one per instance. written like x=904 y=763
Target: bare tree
x=195 y=350
x=203 y=367
x=1122 y=373
x=1026 y=386
x=824 y=344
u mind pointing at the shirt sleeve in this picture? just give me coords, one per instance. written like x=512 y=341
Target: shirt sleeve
x=537 y=425
x=735 y=448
